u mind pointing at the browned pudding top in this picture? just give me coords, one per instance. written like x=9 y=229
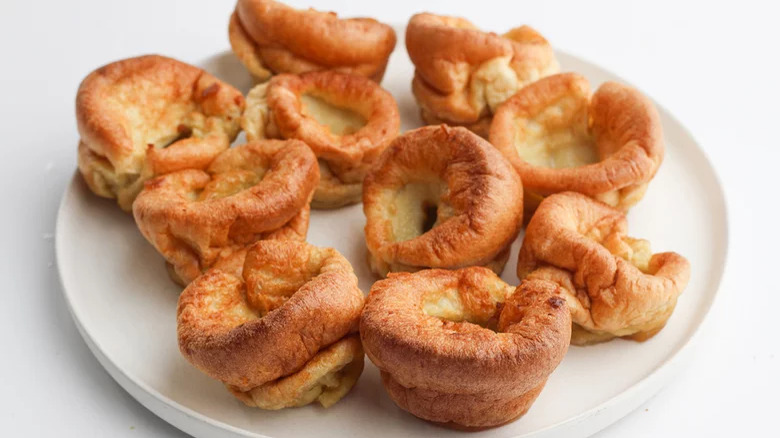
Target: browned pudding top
x=441 y=197
x=128 y=107
x=290 y=300
x=298 y=40
x=614 y=282
x=465 y=331
x=463 y=74
x=561 y=138
x=249 y=192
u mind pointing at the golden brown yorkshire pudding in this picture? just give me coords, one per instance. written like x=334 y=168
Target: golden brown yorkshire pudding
x=614 y=285
x=462 y=347
x=256 y=191
x=559 y=138
x=270 y=37
x=147 y=116
x=346 y=120
x=441 y=197
x=463 y=74
x=280 y=332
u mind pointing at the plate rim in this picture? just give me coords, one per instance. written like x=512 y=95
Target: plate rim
x=629 y=399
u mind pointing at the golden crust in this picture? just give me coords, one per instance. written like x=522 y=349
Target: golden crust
x=454 y=181
x=150 y=115
x=613 y=284
x=462 y=74
x=618 y=123
x=427 y=334
x=268 y=36
x=259 y=190
x=487 y=410
x=231 y=259
x=368 y=112
x=279 y=330
x=326 y=378
x=245 y=49
x=481 y=127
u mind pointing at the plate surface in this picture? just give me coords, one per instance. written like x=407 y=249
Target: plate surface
x=124 y=305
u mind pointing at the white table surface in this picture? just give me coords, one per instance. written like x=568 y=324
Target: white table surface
x=714 y=66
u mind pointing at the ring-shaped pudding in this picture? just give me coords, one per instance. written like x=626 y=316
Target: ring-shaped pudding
x=463 y=74
x=256 y=191
x=280 y=333
x=441 y=197
x=346 y=120
x=147 y=116
x=560 y=138
x=614 y=285
x=270 y=37
x=463 y=348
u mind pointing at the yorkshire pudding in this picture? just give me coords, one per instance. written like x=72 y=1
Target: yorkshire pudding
x=462 y=347
x=614 y=285
x=281 y=332
x=147 y=116
x=559 y=138
x=441 y=197
x=256 y=191
x=270 y=37
x=463 y=74
x=346 y=120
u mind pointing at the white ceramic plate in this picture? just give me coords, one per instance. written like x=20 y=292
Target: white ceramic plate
x=124 y=305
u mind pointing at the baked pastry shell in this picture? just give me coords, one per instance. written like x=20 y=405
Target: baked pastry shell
x=150 y=115
x=483 y=196
x=276 y=110
x=614 y=286
x=193 y=234
x=486 y=377
x=623 y=124
x=462 y=73
x=224 y=330
x=269 y=36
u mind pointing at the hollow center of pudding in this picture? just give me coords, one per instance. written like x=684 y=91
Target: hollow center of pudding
x=557 y=137
x=151 y=117
x=476 y=304
x=229 y=183
x=183 y=132
x=340 y=120
x=272 y=279
x=635 y=251
x=418 y=207
x=233 y=172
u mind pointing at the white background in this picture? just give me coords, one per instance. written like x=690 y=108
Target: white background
x=713 y=66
